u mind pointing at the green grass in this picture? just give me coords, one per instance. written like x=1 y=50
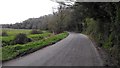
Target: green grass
x=11 y=35
x=6 y=40
x=36 y=37
x=9 y=52
x=13 y=32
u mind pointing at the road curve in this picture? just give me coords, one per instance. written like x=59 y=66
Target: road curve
x=75 y=50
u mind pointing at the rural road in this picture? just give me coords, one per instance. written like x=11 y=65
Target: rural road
x=75 y=50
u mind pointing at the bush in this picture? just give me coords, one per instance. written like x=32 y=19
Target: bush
x=21 y=39
x=4 y=33
x=36 y=31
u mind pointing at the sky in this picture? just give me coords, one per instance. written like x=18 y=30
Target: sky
x=12 y=11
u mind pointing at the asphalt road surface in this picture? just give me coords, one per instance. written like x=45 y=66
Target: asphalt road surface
x=75 y=50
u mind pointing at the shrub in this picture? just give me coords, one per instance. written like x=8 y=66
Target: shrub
x=4 y=33
x=36 y=31
x=21 y=39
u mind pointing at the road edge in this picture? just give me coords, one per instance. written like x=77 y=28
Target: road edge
x=107 y=60
x=32 y=51
x=94 y=45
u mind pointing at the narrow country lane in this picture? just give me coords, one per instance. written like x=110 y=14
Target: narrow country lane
x=75 y=50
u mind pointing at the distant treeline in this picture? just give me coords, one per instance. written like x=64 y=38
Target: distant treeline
x=31 y=23
x=56 y=22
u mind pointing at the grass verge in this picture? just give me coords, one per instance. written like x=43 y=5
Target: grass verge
x=11 y=52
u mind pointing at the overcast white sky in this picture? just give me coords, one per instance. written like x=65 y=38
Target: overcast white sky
x=12 y=11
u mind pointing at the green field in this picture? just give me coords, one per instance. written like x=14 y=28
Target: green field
x=12 y=32
x=6 y=40
x=38 y=41
x=11 y=35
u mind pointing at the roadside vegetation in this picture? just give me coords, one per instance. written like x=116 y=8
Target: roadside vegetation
x=14 y=34
x=38 y=41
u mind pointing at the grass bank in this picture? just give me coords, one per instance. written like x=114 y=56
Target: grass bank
x=14 y=51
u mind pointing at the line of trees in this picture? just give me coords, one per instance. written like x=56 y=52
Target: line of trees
x=98 y=19
x=102 y=22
